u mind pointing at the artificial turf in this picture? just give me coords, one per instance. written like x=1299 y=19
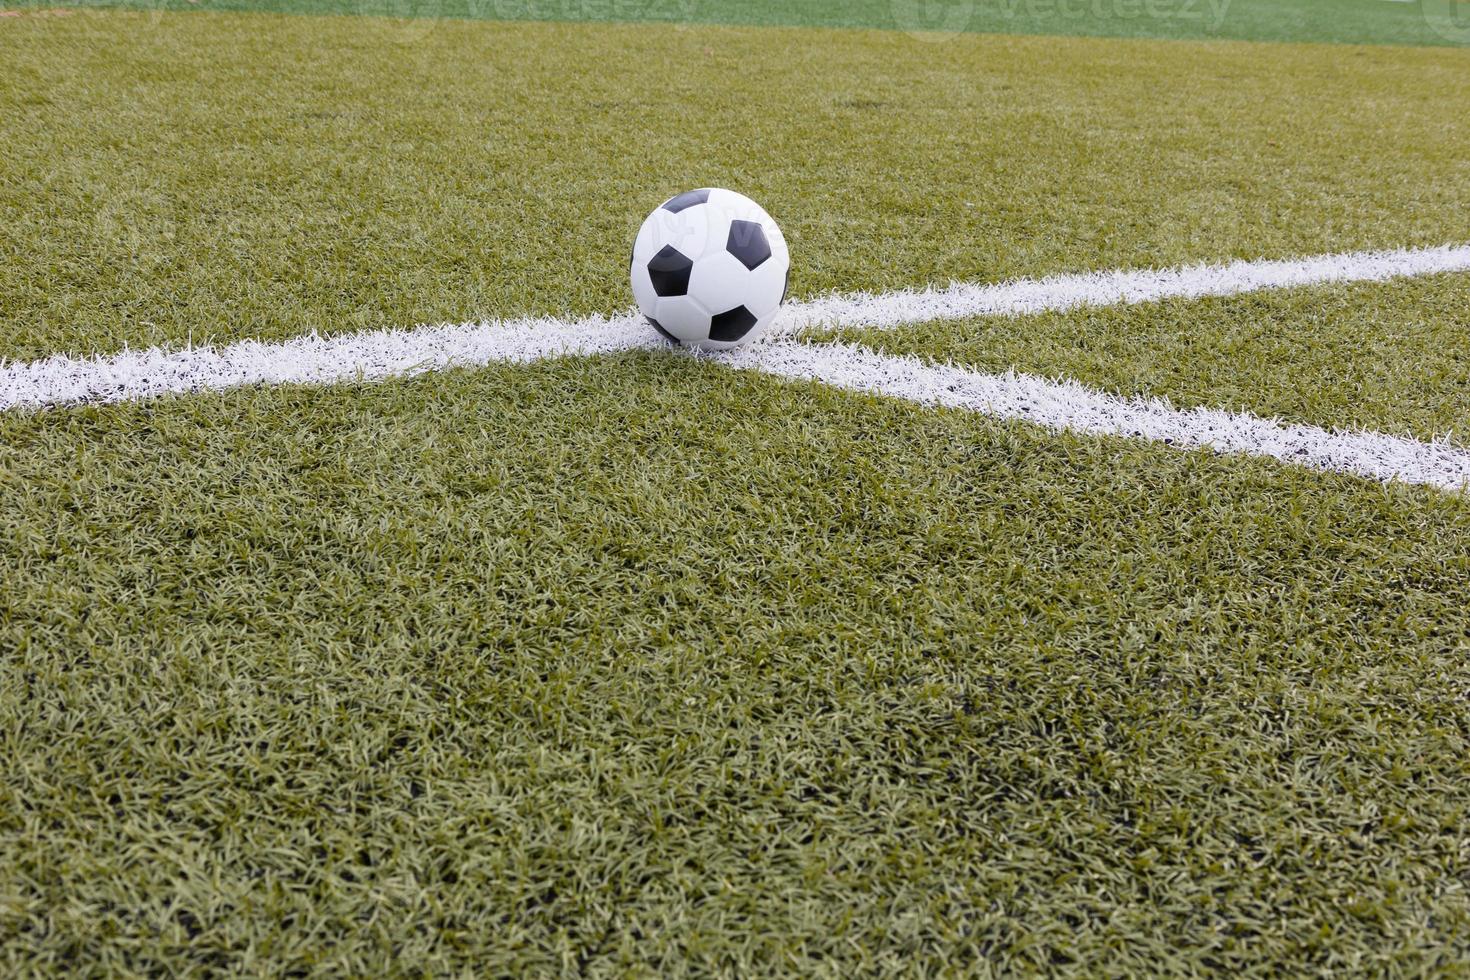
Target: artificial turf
x=637 y=666
x=1415 y=22
x=1389 y=356
x=217 y=176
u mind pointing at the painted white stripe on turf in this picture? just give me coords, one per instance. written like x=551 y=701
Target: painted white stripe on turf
x=1071 y=406
x=62 y=379
x=1024 y=296
x=369 y=356
x=374 y=355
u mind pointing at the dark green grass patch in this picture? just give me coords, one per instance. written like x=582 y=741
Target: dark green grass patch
x=1416 y=22
x=635 y=666
x=219 y=176
x=1388 y=356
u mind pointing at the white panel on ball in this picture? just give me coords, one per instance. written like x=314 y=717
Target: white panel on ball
x=767 y=285
x=643 y=292
x=720 y=282
x=683 y=317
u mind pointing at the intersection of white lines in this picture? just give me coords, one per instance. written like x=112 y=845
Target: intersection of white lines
x=1058 y=404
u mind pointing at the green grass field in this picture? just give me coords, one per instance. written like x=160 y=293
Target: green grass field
x=277 y=180
x=1415 y=22
x=1386 y=356
x=640 y=666
x=530 y=668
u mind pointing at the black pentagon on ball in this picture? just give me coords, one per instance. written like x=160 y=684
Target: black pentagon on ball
x=731 y=326
x=660 y=328
x=686 y=200
x=669 y=270
x=747 y=242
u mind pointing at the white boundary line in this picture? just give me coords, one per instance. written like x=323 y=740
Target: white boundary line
x=1023 y=296
x=368 y=356
x=1071 y=406
x=62 y=379
x=375 y=355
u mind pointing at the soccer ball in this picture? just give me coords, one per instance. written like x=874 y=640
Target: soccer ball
x=709 y=269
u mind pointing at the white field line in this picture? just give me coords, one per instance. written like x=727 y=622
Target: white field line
x=368 y=356
x=1068 y=405
x=63 y=379
x=374 y=355
x=1024 y=296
